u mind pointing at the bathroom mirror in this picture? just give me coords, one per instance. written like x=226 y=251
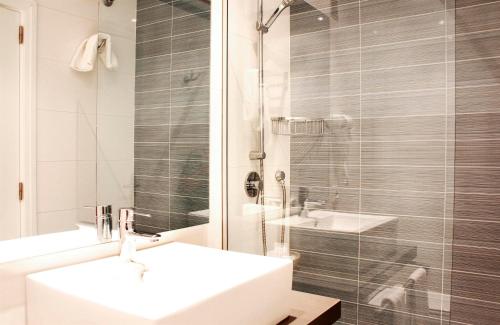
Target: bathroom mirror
x=153 y=111
x=103 y=103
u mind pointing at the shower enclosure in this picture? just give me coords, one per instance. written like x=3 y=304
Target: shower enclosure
x=368 y=113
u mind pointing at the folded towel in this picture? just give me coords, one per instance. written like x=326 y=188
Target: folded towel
x=86 y=53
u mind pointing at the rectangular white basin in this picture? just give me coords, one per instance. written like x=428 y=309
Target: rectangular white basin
x=351 y=223
x=184 y=284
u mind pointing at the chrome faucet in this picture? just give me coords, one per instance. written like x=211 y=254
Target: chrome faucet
x=126 y=222
x=103 y=222
x=128 y=234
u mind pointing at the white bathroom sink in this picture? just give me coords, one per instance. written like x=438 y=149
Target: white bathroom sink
x=351 y=223
x=184 y=284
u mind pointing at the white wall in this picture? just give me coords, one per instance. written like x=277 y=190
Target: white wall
x=85 y=120
x=66 y=109
x=244 y=230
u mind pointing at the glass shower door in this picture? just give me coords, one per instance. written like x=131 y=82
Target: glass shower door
x=359 y=115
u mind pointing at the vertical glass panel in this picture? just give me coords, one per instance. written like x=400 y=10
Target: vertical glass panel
x=255 y=221
x=153 y=112
x=365 y=92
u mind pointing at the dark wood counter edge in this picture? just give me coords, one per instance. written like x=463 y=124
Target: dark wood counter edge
x=330 y=316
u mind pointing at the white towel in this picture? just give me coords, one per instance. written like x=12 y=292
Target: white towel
x=106 y=53
x=86 y=54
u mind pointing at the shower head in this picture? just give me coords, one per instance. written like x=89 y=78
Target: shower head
x=282 y=6
x=108 y=3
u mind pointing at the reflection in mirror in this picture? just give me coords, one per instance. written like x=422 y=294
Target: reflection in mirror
x=153 y=110
x=47 y=145
x=120 y=120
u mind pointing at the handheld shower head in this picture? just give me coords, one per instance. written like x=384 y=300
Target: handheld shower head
x=282 y=6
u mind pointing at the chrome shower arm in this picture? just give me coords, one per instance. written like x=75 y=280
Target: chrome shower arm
x=265 y=27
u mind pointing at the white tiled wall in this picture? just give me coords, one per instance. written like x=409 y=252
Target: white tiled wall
x=66 y=114
x=85 y=120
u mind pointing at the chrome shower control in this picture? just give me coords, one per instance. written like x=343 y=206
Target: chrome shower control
x=280 y=176
x=252 y=184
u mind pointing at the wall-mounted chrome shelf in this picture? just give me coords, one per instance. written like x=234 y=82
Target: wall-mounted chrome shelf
x=297 y=126
x=339 y=124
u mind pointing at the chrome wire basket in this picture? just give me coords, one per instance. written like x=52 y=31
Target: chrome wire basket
x=297 y=126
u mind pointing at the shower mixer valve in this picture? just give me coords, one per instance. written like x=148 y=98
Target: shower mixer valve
x=252 y=184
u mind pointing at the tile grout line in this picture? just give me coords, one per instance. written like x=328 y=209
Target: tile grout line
x=476 y=5
x=350 y=49
x=172 y=36
x=348 y=4
x=396 y=67
x=360 y=25
x=178 y=17
x=171 y=53
x=178 y=70
x=360 y=160
x=170 y=118
x=445 y=202
x=170 y=88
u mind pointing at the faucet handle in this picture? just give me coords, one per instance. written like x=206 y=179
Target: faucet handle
x=127 y=224
x=126 y=220
x=127 y=214
x=147 y=215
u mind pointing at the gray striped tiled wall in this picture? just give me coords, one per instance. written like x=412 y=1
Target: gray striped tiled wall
x=475 y=277
x=171 y=117
x=385 y=68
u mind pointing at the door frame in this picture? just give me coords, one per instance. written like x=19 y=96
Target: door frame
x=28 y=117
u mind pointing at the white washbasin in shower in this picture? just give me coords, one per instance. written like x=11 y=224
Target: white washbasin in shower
x=336 y=221
x=184 y=284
